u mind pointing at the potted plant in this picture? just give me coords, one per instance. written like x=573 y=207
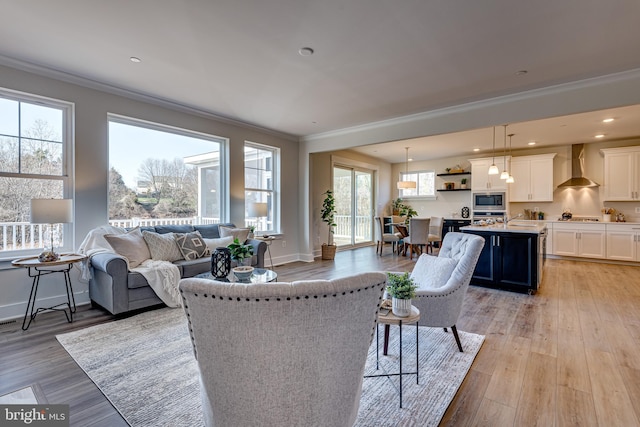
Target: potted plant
x=463 y=183
x=252 y=230
x=327 y=214
x=402 y=289
x=396 y=205
x=240 y=252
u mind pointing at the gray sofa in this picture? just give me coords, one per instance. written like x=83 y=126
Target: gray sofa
x=113 y=287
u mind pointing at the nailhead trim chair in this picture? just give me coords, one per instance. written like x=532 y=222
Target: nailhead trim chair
x=282 y=354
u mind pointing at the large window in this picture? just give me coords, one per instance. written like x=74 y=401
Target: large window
x=261 y=184
x=35 y=163
x=426 y=184
x=163 y=175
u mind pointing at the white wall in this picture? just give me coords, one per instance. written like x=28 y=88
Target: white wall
x=91 y=172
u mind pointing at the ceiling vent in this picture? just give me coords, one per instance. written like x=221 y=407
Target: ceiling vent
x=577 y=169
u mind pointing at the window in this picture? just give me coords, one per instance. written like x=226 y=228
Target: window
x=426 y=184
x=163 y=175
x=261 y=173
x=35 y=163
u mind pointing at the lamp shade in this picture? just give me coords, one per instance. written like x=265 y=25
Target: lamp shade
x=403 y=185
x=257 y=209
x=51 y=211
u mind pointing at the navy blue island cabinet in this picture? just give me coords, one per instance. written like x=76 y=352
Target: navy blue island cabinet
x=510 y=260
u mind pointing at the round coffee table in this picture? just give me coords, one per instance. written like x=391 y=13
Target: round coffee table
x=259 y=275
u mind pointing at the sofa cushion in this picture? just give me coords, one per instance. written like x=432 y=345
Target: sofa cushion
x=190 y=268
x=432 y=272
x=191 y=245
x=238 y=233
x=163 y=247
x=130 y=245
x=208 y=231
x=183 y=228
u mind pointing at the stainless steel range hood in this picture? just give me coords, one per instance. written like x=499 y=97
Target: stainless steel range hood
x=577 y=169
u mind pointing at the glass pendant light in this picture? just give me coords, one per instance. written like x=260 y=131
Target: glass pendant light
x=493 y=169
x=504 y=174
x=405 y=185
x=510 y=180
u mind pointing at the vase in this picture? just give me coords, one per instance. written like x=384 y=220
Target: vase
x=401 y=307
x=606 y=218
x=221 y=262
x=245 y=262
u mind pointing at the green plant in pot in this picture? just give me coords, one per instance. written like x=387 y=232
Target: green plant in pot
x=240 y=252
x=402 y=289
x=327 y=214
x=463 y=183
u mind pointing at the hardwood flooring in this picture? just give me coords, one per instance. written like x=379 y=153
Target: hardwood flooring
x=565 y=356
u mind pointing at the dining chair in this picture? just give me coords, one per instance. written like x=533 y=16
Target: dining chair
x=393 y=238
x=435 y=231
x=418 y=236
x=282 y=354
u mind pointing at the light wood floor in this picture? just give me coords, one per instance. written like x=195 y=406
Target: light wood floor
x=569 y=355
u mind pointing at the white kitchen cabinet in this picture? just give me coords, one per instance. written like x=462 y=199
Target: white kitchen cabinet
x=580 y=240
x=623 y=242
x=533 y=178
x=621 y=173
x=480 y=178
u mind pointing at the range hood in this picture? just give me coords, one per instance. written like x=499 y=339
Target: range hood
x=577 y=169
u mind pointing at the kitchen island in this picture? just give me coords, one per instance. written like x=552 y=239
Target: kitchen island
x=512 y=257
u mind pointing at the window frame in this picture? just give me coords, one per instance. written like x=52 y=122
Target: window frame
x=223 y=154
x=67 y=174
x=275 y=185
x=406 y=176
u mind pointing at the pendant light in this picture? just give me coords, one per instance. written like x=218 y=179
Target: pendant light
x=493 y=169
x=504 y=174
x=405 y=185
x=510 y=180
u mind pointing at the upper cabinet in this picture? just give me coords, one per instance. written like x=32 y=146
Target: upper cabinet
x=480 y=178
x=533 y=178
x=621 y=173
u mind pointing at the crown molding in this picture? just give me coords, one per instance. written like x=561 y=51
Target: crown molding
x=137 y=96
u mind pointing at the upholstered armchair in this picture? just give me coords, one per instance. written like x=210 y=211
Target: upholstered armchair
x=282 y=354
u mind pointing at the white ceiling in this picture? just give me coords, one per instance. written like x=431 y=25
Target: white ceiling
x=374 y=60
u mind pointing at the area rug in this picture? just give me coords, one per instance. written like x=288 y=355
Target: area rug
x=145 y=366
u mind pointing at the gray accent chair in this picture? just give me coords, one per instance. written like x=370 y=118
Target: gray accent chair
x=282 y=354
x=440 y=307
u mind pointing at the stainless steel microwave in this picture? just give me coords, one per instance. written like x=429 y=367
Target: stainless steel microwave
x=490 y=201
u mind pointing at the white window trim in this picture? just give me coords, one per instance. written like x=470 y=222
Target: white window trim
x=419 y=197
x=276 y=192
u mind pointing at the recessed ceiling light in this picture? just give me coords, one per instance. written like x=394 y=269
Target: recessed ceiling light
x=410 y=159
x=600 y=135
x=609 y=120
x=305 y=51
x=135 y=59
x=476 y=149
x=531 y=143
x=521 y=72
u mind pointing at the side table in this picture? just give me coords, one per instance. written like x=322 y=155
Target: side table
x=392 y=319
x=36 y=269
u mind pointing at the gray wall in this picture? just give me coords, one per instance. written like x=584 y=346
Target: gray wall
x=91 y=172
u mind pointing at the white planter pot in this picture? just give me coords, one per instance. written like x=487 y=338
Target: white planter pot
x=401 y=307
x=606 y=217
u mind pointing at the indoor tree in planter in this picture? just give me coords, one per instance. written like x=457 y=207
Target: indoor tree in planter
x=402 y=289
x=327 y=213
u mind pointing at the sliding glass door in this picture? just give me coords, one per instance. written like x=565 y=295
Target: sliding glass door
x=353 y=190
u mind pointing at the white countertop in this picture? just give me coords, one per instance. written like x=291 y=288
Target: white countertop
x=531 y=227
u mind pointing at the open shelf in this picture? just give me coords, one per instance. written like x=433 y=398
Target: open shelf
x=457 y=189
x=453 y=174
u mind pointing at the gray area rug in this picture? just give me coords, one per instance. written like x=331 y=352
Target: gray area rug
x=144 y=365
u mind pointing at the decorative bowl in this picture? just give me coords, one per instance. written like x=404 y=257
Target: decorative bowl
x=243 y=273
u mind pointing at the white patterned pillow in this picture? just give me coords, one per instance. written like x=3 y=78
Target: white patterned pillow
x=432 y=272
x=191 y=245
x=163 y=247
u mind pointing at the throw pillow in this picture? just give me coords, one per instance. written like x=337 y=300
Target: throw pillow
x=432 y=272
x=191 y=245
x=237 y=233
x=163 y=247
x=130 y=245
x=212 y=244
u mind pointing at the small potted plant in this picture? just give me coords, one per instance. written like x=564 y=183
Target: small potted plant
x=252 y=231
x=463 y=183
x=327 y=214
x=240 y=252
x=402 y=289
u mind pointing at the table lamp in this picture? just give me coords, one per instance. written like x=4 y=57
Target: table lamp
x=258 y=210
x=51 y=211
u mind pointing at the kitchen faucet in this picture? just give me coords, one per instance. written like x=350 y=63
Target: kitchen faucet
x=506 y=220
